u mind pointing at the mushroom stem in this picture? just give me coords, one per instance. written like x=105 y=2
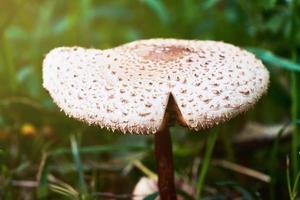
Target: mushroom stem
x=164 y=159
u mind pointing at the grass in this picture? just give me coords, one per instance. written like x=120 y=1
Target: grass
x=208 y=153
x=293 y=190
x=295 y=88
x=78 y=164
x=62 y=166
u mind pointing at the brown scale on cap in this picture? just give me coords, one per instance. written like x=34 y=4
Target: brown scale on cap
x=165 y=53
x=128 y=88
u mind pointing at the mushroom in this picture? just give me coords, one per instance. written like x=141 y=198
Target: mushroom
x=143 y=188
x=143 y=86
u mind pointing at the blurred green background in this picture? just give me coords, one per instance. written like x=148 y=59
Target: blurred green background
x=45 y=155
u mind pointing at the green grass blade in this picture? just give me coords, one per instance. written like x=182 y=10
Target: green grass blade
x=208 y=152
x=296 y=183
x=288 y=178
x=210 y=3
x=159 y=9
x=184 y=194
x=295 y=85
x=78 y=164
x=8 y=58
x=246 y=194
x=152 y=196
x=99 y=149
x=274 y=160
x=270 y=58
x=295 y=96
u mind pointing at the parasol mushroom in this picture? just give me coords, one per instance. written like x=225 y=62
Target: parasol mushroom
x=143 y=86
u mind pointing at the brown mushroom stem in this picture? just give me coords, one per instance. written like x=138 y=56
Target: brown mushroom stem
x=164 y=159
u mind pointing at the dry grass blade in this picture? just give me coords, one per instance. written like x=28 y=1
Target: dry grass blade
x=41 y=167
x=72 y=194
x=62 y=188
x=138 y=164
x=243 y=170
x=22 y=100
x=255 y=131
x=24 y=183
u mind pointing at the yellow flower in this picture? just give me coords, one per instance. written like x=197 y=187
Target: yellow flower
x=28 y=129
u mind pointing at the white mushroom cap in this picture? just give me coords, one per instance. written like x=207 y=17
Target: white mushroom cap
x=127 y=88
x=144 y=187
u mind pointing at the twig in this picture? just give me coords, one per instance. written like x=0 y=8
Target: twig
x=243 y=170
x=24 y=183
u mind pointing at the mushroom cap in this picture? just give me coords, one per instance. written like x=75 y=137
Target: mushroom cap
x=128 y=87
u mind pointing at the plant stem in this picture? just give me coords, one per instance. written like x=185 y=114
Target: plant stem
x=164 y=159
x=208 y=152
x=295 y=107
x=295 y=86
